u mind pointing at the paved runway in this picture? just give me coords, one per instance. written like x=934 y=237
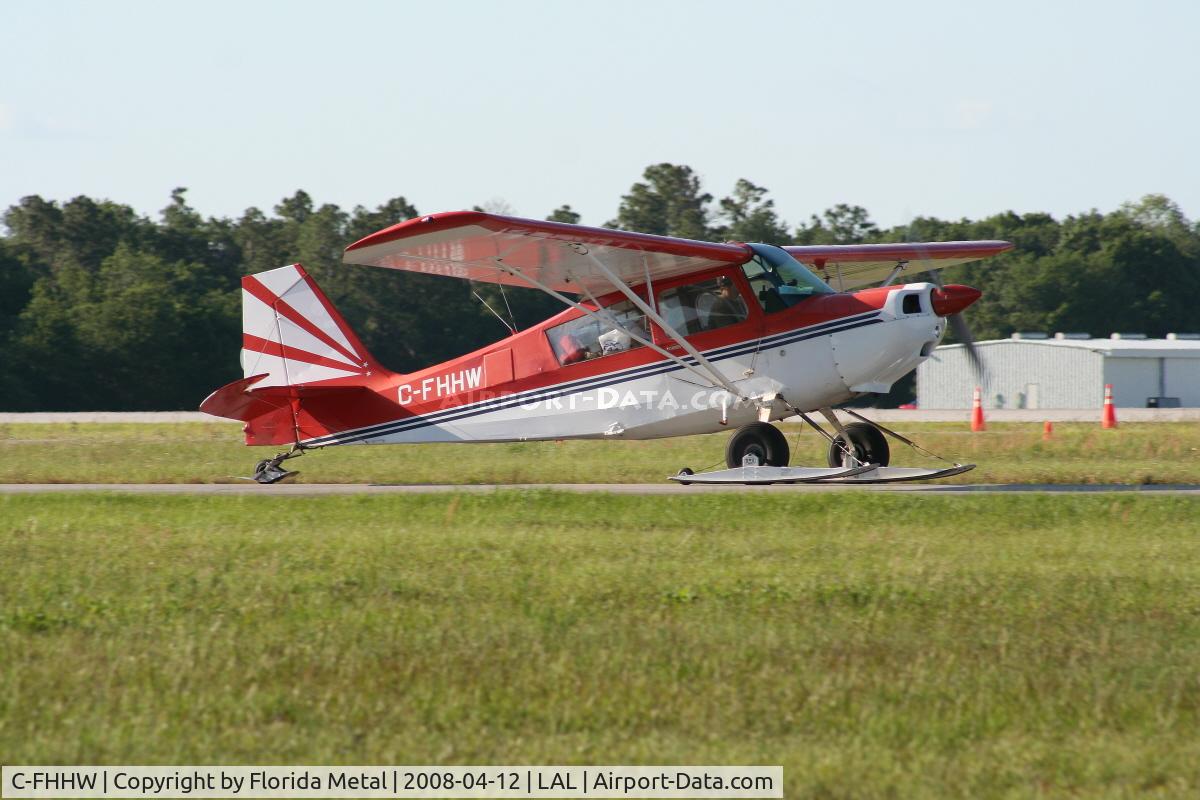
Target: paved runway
x=664 y=488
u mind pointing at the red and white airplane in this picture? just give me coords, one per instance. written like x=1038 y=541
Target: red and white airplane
x=660 y=337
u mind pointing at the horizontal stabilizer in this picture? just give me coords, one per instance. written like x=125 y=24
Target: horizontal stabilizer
x=286 y=414
x=238 y=400
x=234 y=401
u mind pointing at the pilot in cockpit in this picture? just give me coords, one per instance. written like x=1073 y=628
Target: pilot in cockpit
x=728 y=307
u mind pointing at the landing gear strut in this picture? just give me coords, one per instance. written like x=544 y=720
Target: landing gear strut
x=269 y=470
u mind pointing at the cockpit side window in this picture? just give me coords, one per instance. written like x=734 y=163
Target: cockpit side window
x=703 y=306
x=586 y=337
x=763 y=284
x=780 y=281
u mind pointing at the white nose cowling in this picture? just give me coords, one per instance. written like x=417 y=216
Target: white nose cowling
x=872 y=358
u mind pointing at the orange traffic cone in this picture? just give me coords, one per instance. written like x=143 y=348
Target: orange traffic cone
x=1047 y=430
x=977 y=423
x=1108 y=418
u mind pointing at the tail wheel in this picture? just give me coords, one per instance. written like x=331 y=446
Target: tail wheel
x=760 y=439
x=866 y=442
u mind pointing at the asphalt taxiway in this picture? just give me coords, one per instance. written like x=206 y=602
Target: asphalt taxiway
x=664 y=488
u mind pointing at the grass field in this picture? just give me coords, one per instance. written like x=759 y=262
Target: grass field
x=875 y=645
x=206 y=453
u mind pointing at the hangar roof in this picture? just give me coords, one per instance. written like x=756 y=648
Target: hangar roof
x=1114 y=348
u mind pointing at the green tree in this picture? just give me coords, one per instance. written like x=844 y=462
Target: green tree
x=364 y=221
x=1161 y=215
x=1133 y=270
x=668 y=202
x=137 y=334
x=82 y=232
x=750 y=216
x=185 y=235
x=841 y=224
x=564 y=213
x=295 y=209
x=16 y=285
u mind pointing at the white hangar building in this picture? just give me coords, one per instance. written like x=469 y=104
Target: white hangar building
x=1033 y=370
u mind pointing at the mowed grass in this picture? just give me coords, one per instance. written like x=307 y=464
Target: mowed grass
x=875 y=645
x=214 y=453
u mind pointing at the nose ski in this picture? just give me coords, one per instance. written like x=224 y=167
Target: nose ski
x=850 y=458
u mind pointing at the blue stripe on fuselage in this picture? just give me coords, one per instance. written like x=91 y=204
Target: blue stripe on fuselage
x=588 y=384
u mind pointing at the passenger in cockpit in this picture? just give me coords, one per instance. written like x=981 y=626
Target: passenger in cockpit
x=572 y=351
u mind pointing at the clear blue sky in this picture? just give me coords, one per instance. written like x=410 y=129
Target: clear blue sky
x=907 y=108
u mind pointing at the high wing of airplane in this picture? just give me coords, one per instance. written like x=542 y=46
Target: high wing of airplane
x=523 y=252
x=660 y=336
x=492 y=248
x=854 y=266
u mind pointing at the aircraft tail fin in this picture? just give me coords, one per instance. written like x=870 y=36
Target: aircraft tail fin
x=294 y=335
x=306 y=372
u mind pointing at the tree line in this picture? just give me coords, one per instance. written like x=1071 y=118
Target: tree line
x=102 y=308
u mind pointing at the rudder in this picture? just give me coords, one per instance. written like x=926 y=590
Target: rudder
x=306 y=374
x=294 y=335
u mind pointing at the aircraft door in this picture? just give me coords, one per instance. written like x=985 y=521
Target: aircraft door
x=714 y=309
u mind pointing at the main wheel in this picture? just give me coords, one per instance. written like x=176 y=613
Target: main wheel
x=866 y=442
x=760 y=439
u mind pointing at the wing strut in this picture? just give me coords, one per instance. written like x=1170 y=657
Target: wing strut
x=607 y=320
x=667 y=328
x=895 y=273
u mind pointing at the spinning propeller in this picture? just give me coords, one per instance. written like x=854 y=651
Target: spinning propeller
x=949 y=302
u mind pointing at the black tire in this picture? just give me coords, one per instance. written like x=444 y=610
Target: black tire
x=867 y=442
x=763 y=440
x=683 y=473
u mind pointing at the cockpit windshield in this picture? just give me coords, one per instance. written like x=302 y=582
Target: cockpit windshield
x=780 y=281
